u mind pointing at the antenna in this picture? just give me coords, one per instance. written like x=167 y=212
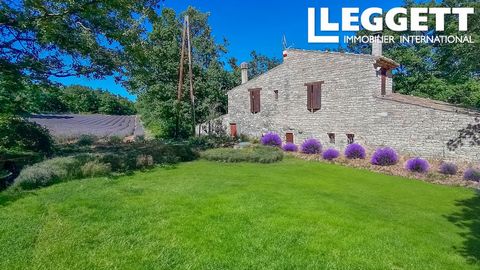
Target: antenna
x=284 y=42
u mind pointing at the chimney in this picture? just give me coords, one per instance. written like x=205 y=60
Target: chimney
x=244 y=68
x=377 y=45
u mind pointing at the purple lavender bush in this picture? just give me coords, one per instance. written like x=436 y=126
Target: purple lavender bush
x=384 y=157
x=448 y=168
x=472 y=175
x=311 y=146
x=330 y=154
x=290 y=147
x=354 y=151
x=271 y=139
x=417 y=165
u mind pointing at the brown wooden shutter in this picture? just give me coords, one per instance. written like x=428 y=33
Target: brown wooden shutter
x=289 y=137
x=254 y=100
x=384 y=81
x=309 y=97
x=316 y=97
x=257 y=100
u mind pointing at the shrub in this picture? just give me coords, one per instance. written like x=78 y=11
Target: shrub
x=448 y=168
x=417 y=165
x=311 y=146
x=290 y=147
x=472 y=175
x=330 y=154
x=355 y=151
x=144 y=161
x=257 y=154
x=113 y=140
x=271 y=139
x=19 y=134
x=210 y=141
x=95 y=169
x=384 y=157
x=85 y=140
x=48 y=172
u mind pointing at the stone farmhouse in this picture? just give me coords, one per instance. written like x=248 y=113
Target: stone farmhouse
x=341 y=98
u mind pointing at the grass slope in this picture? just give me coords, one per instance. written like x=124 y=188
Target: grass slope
x=206 y=215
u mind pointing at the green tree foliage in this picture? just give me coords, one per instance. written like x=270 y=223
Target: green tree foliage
x=447 y=72
x=82 y=99
x=20 y=135
x=54 y=38
x=153 y=74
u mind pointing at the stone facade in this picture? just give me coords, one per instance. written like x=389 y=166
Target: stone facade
x=351 y=103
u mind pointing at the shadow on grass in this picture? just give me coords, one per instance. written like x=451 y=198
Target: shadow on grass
x=468 y=219
x=10 y=196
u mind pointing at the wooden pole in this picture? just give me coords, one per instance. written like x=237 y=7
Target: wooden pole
x=190 y=73
x=180 y=81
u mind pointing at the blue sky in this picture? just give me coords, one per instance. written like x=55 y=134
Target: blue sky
x=253 y=25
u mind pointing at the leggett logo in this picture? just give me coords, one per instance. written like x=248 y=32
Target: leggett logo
x=395 y=19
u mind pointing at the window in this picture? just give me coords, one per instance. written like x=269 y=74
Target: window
x=255 y=100
x=383 y=72
x=331 y=136
x=289 y=137
x=350 y=138
x=275 y=92
x=314 y=96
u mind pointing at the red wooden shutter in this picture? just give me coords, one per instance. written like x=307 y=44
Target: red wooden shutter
x=251 y=101
x=255 y=100
x=384 y=81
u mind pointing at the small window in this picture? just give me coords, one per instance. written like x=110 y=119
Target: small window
x=289 y=137
x=350 y=138
x=331 y=137
x=255 y=100
x=314 y=96
x=383 y=72
x=275 y=93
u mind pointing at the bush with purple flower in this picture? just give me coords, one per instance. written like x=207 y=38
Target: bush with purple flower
x=330 y=154
x=271 y=139
x=448 y=168
x=384 y=157
x=290 y=147
x=472 y=175
x=311 y=146
x=417 y=165
x=355 y=151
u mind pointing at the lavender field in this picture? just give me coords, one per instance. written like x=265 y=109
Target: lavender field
x=74 y=125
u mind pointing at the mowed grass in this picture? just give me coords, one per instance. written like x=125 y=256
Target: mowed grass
x=205 y=215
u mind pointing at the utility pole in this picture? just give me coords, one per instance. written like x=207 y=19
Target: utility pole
x=185 y=38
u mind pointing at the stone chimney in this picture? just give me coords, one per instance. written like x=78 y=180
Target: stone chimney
x=244 y=68
x=377 y=45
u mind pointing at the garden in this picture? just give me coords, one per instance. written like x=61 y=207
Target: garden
x=218 y=202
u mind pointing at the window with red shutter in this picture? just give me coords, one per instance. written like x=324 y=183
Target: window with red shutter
x=255 y=100
x=314 y=96
x=384 y=81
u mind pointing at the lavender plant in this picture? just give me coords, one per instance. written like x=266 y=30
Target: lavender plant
x=330 y=154
x=448 y=168
x=417 y=165
x=290 y=147
x=472 y=174
x=384 y=157
x=311 y=146
x=271 y=139
x=355 y=151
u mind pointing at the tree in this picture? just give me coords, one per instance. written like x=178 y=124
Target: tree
x=54 y=38
x=260 y=64
x=447 y=72
x=153 y=74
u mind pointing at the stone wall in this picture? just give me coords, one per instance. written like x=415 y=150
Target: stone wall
x=351 y=104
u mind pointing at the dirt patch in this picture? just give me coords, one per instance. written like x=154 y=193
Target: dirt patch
x=433 y=176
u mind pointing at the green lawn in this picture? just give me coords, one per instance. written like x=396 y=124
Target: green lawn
x=205 y=215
